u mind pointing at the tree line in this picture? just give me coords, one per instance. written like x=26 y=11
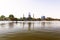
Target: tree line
x=29 y=18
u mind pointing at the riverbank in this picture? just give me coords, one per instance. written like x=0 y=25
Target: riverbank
x=38 y=35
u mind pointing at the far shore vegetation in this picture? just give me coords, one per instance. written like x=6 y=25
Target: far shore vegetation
x=11 y=17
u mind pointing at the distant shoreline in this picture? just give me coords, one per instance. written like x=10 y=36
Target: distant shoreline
x=37 y=20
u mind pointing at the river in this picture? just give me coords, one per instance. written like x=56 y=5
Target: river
x=30 y=30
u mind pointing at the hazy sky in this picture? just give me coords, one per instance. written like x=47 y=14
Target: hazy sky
x=49 y=8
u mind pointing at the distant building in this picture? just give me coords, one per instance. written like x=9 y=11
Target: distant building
x=42 y=17
x=29 y=17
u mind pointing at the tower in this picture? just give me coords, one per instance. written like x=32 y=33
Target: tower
x=24 y=17
x=33 y=15
x=29 y=16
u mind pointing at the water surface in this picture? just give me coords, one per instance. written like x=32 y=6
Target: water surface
x=30 y=30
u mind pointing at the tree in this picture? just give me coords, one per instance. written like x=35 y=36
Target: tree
x=15 y=19
x=2 y=17
x=49 y=18
x=11 y=17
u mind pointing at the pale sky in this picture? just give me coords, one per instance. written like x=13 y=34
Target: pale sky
x=48 y=8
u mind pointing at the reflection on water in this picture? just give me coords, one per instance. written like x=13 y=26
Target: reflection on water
x=2 y=25
x=23 y=24
x=33 y=25
x=11 y=25
x=42 y=24
x=34 y=30
x=29 y=26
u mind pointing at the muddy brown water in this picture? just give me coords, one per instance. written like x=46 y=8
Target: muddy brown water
x=30 y=30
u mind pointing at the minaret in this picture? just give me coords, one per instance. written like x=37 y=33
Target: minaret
x=23 y=15
x=33 y=15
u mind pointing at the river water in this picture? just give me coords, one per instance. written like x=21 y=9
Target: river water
x=30 y=30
